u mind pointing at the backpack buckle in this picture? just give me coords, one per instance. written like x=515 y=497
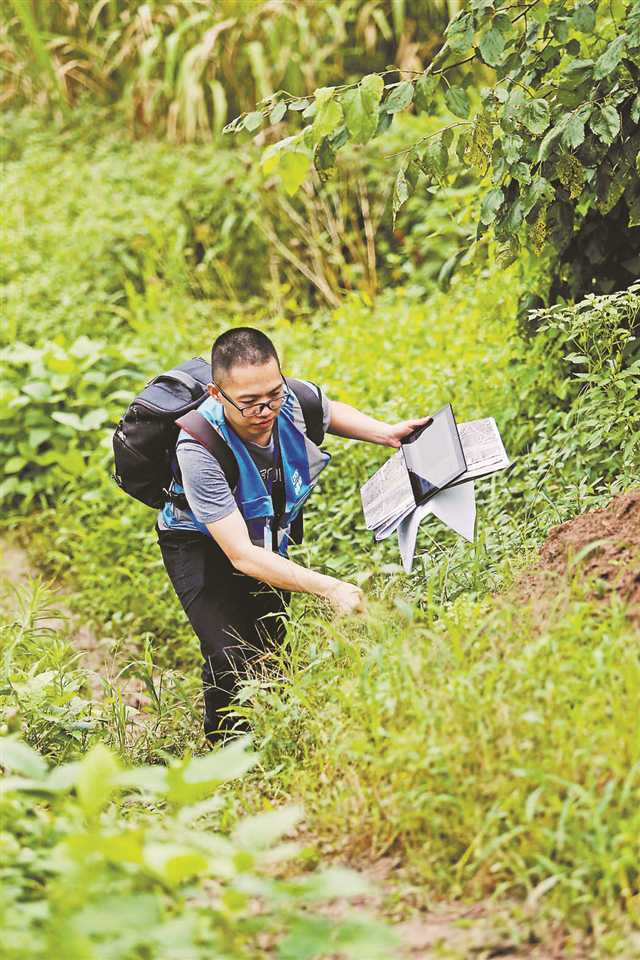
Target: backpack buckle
x=179 y=500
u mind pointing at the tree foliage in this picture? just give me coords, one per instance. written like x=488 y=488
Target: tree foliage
x=553 y=132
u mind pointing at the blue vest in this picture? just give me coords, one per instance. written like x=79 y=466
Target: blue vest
x=300 y=460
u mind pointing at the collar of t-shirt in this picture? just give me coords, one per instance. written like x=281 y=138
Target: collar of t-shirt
x=263 y=457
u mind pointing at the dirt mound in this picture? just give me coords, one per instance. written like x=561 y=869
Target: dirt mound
x=603 y=545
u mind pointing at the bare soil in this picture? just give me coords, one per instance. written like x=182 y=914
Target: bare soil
x=100 y=658
x=602 y=547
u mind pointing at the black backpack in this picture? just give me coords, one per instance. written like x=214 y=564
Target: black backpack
x=144 y=441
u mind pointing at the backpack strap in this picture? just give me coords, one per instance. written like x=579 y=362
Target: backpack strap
x=202 y=431
x=310 y=400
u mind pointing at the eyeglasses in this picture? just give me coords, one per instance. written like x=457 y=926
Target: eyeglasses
x=255 y=409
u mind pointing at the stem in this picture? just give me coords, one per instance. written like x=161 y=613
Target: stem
x=461 y=123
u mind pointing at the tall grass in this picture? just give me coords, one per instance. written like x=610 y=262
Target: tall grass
x=494 y=751
x=184 y=68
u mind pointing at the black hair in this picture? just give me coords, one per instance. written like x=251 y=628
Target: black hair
x=241 y=346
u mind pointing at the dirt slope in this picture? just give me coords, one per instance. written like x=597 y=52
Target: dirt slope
x=602 y=546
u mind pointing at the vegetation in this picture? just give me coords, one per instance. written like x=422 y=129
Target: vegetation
x=141 y=844
x=483 y=741
x=554 y=130
x=183 y=68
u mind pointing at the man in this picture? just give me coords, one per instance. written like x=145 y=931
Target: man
x=226 y=555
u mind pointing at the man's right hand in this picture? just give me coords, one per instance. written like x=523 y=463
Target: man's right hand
x=346 y=597
x=232 y=537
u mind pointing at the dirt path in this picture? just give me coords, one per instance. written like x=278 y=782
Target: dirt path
x=454 y=930
x=100 y=659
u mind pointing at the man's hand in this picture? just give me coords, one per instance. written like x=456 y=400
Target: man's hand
x=346 y=421
x=232 y=537
x=346 y=597
x=398 y=431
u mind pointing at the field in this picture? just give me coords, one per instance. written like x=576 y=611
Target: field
x=455 y=773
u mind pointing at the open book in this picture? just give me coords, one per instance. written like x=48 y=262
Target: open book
x=389 y=495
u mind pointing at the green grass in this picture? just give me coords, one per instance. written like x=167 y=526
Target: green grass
x=490 y=749
x=494 y=751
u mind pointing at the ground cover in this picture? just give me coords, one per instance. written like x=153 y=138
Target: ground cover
x=488 y=753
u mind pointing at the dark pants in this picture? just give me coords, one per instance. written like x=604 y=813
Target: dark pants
x=235 y=618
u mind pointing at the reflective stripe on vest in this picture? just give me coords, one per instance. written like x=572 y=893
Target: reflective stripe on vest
x=301 y=462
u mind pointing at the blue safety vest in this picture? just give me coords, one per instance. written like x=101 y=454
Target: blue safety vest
x=301 y=462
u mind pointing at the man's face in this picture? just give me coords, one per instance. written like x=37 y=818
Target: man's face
x=248 y=385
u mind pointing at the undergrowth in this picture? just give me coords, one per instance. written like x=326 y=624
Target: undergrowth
x=494 y=753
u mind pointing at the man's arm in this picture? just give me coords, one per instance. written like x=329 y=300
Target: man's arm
x=347 y=421
x=232 y=537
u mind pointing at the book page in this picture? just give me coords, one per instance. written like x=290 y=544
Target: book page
x=483 y=448
x=387 y=494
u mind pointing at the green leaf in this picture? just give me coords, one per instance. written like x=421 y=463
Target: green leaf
x=605 y=123
x=635 y=110
x=67 y=419
x=328 y=117
x=299 y=105
x=334 y=882
x=360 y=106
x=72 y=462
x=515 y=216
x=84 y=347
x=37 y=390
x=339 y=138
x=271 y=157
x=293 y=168
x=253 y=120
x=278 y=112
x=14 y=464
x=459 y=33
x=491 y=203
x=96 y=779
x=633 y=25
x=512 y=146
x=573 y=133
x=400 y=192
x=540 y=190
x=37 y=436
x=425 y=92
x=324 y=159
x=492 y=45
x=20 y=758
x=63 y=778
x=535 y=116
x=175 y=863
x=576 y=72
x=221 y=765
x=94 y=419
x=584 y=18
x=610 y=59
x=435 y=158
x=550 y=137
x=147 y=779
x=399 y=98
x=458 y=102
x=265 y=829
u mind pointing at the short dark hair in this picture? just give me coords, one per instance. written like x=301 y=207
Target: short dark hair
x=241 y=346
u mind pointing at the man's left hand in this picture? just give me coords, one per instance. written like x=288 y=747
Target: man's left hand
x=396 y=432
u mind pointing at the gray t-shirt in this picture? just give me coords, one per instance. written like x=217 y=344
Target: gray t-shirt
x=203 y=479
